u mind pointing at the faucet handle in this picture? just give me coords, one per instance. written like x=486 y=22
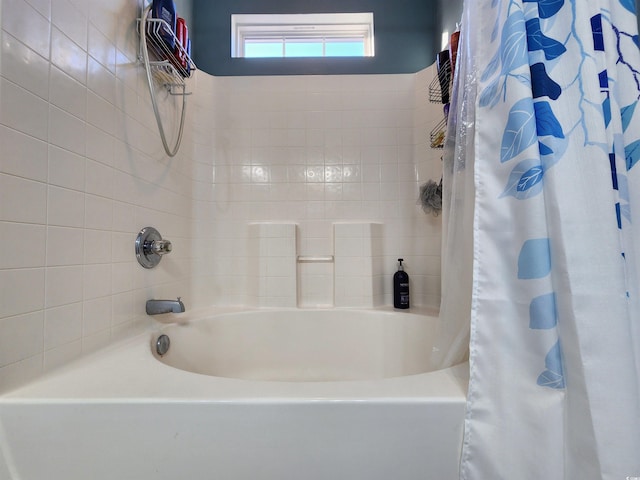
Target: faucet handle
x=161 y=247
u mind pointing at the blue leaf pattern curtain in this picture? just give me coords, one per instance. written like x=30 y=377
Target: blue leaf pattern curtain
x=554 y=344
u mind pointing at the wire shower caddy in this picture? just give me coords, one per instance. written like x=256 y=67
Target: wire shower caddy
x=162 y=65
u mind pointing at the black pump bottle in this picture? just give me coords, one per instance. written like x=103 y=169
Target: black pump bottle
x=401 y=287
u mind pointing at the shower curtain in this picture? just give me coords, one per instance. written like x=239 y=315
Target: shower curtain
x=542 y=211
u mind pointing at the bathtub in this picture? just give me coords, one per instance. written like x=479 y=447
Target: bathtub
x=246 y=395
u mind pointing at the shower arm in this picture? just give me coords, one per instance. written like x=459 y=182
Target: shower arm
x=145 y=57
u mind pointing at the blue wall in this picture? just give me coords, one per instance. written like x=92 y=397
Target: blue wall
x=449 y=14
x=406 y=37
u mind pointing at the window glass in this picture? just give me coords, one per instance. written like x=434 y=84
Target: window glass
x=302 y=35
x=262 y=49
x=303 y=49
x=344 y=49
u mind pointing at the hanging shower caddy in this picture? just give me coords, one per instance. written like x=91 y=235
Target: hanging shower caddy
x=439 y=86
x=439 y=93
x=163 y=67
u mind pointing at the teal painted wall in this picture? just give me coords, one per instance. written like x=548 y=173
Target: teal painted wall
x=406 y=37
x=449 y=14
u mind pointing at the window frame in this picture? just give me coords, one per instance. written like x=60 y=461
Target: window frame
x=316 y=27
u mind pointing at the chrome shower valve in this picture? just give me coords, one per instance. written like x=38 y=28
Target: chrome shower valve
x=150 y=247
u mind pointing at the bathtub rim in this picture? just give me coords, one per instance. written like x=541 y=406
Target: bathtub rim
x=107 y=375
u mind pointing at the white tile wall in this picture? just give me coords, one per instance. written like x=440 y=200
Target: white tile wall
x=315 y=284
x=316 y=150
x=82 y=170
x=272 y=264
x=77 y=183
x=358 y=254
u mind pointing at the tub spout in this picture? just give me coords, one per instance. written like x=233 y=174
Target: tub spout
x=155 y=307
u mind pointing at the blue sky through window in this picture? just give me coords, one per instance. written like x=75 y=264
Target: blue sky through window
x=344 y=49
x=306 y=48
x=303 y=49
x=262 y=49
x=302 y=35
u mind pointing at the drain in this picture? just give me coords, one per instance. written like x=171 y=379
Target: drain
x=162 y=345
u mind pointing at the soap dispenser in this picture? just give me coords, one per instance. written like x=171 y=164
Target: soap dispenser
x=401 y=287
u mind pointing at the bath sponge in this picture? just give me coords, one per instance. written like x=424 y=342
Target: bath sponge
x=431 y=197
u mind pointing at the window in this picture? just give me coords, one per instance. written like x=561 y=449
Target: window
x=302 y=35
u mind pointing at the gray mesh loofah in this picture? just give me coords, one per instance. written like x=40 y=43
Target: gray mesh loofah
x=431 y=197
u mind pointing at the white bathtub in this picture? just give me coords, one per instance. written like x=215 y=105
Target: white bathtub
x=293 y=394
